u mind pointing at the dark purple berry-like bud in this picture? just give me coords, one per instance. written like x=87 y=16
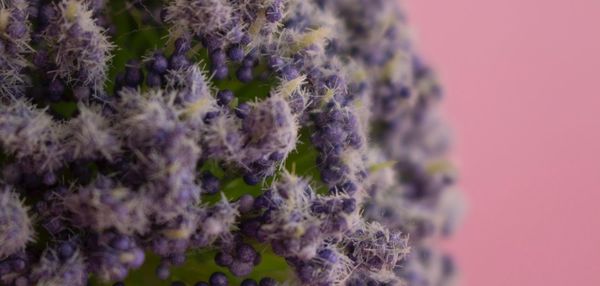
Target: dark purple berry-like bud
x=218 y=57
x=240 y=268
x=242 y=110
x=267 y=281
x=251 y=179
x=276 y=156
x=16 y=29
x=120 y=242
x=404 y=92
x=158 y=63
x=56 y=89
x=182 y=46
x=349 y=187
x=211 y=43
x=275 y=62
x=249 y=282
x=178 y=61
x=328 y=255
x=210 y=183
x=236 y=53
x=223 y=259
x=289 y=72
x=250 y=60
x=218 y=279
x=246 y=253
x=244 y=74
x=349 y=205
x=245 y=203
x=331 y=174
x=153 y=79
x=224 y=97
x=220 y=72
x=18 y=264
x=65 y=250
x=133 y=74
x=45 y=15
x=210 y=116
x=273 y=14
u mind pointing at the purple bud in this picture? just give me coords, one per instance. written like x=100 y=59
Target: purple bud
x=244 y=74
x=236 y=53
x=163 y=272
x=273 y=14
x=224 y=97
x=182 y=46
x=220 y=72
x=249 y=282
x=246 y=203
x=246 y=253
x=242 y=110
x=223 y=259
x=267 y=281
x=158 y=63
x=210 y=183
x=218 y=279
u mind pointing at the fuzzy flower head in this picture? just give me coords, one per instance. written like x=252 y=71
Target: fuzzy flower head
x=271 y=127
x=91 y=135
x=293 y=229
x=14 y=46
x=78 y=45
x=426 y=265
x=191 y=95
x=332 y=88
x=199 y=17
x=330 y=266
x=31 y=135
x=376 y=249
x=105 y=205
x=218 y=223
x=15 y=225
x=64 y=265
x=113 y=255
x=223 y=140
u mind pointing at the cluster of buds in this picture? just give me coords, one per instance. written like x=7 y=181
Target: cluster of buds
x=311 y=138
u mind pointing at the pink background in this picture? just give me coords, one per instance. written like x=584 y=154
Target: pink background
x=522 y=80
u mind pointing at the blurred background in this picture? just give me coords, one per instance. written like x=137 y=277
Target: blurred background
x=522 y=93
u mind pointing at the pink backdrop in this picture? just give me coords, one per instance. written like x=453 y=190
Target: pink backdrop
x=522 y=80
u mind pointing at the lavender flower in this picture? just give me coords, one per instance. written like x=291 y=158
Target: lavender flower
x=15 y=225
x=14 y=47
x=91 y=136
x=30 y=135
x=62 y=266
x=305 y=131
x=199 y=18
x=105 y=205
x=78 y=46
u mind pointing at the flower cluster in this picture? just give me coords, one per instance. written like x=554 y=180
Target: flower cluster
x=311 y=137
